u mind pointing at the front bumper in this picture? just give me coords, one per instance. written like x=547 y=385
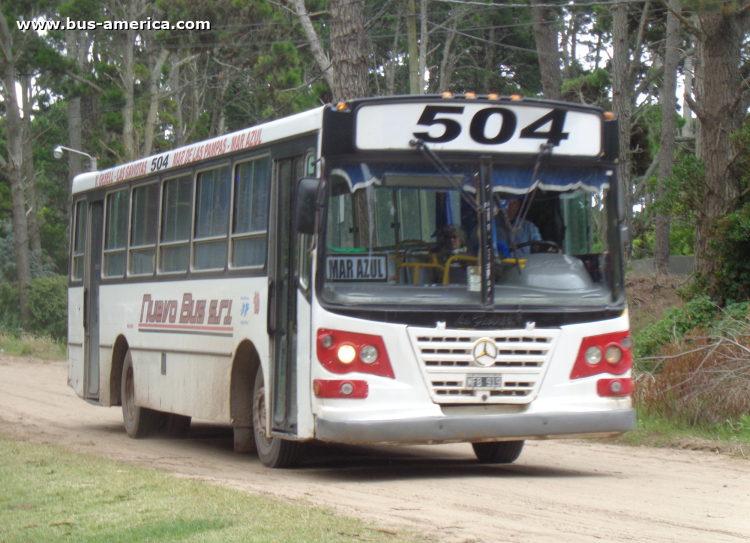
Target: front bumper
x=475 y=428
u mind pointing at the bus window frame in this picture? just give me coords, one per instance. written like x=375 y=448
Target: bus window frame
x=189 y=241
x=251 y=235
x=105 y=222
x=82 y=253
x=156 y=182
x=191 y=266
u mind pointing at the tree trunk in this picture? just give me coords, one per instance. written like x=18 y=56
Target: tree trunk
x=74 y=114
x=411 y=34
x=321 y=59
x=720 y=109
x=666 y=150
x=155 y=92
x=548 y=49
x=32 y=195
x=622 y=101
x=14 y=168
x=688 y=129
x=423 y=40
x=127 y=78
x=348 y=50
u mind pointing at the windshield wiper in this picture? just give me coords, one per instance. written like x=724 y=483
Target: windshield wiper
x=545 y=151
x=440 y=166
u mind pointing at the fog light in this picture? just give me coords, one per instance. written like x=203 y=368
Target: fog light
x=346 y=389
x=613 y=354
x=615 y=387
x=593 y=355
x=327 y=342
x=627 y=342
x=368 y=354
x=346 y=354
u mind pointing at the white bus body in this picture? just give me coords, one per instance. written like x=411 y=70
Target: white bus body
x=193 y=295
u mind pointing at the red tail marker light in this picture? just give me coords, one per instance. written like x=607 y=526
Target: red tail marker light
x=346 y=352
x=335 y=388
x=608 y=353
x=614 y=387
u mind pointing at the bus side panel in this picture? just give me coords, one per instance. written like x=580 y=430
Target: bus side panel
x=305 y=339
x=75 y=340
x=184 y=367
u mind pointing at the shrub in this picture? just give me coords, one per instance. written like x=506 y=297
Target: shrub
x=10 y=311
x=48 y=304
x=676 y=323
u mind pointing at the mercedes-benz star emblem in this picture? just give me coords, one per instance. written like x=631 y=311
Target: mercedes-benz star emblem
x=485 y=352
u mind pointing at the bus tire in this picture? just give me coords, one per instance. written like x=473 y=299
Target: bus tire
x=274 y=452
x=498 y=452
x=176 y=425
x=139 y=422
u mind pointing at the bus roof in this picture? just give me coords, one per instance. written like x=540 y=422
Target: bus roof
x=300 y=123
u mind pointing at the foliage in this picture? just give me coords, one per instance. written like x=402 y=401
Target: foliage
x=48 y=302
x=698 y=371
x=10 y=312
x=676 y=323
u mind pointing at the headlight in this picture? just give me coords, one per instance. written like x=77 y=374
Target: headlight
x=593 y=355
x=368 y=354
x=613 y=354
x=346 y=354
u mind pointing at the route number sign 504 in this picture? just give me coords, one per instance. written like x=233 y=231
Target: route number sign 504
x=506 y=128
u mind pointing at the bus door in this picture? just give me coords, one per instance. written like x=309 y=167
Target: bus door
x=282 y=302
x=92 y=278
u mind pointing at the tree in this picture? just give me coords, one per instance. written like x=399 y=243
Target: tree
x=12 y=167
x=667 y=147
x=720 y=104
x=547 y=47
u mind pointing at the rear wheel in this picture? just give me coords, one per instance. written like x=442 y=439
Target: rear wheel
x=139 y=421
x=498 y=452
x=274 y=452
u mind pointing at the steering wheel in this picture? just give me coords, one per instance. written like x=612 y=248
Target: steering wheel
x=552 y=247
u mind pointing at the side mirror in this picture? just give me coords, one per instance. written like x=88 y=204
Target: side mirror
x=306 y=213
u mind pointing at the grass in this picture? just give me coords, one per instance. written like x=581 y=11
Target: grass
x=653 y=431
x=52 y=495
x=44 y=348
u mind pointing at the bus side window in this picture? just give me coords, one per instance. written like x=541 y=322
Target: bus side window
x=79 y=241
x=116 y=234
x=143 y=228
x=176 y=217
x=250 y=214
x=211 y=219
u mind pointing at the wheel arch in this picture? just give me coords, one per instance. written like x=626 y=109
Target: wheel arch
x=119 y=351
x=244 y=367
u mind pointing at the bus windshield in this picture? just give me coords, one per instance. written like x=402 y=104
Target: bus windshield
x=407 y=235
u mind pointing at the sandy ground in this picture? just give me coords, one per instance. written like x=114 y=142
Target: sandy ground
x=573 y=491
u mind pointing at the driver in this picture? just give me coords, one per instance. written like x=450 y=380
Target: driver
x=526 y=230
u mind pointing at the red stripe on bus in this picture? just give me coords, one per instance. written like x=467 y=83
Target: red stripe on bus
x=188 y=327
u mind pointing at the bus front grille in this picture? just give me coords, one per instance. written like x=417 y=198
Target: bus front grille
x=455 y=375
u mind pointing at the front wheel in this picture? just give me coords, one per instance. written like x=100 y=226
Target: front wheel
x=498 y=452
x=274 y=452
x=139 y=421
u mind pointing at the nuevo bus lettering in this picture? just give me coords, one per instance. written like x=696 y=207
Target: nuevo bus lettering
x=394 y=270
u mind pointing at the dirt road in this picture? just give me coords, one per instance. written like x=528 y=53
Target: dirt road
x=573 y=491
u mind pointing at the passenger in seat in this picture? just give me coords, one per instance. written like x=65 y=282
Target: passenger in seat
x=451 y=240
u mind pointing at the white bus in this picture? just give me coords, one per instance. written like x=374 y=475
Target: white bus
x=293 y=279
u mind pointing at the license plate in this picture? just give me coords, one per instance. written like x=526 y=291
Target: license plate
x=484 y=380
